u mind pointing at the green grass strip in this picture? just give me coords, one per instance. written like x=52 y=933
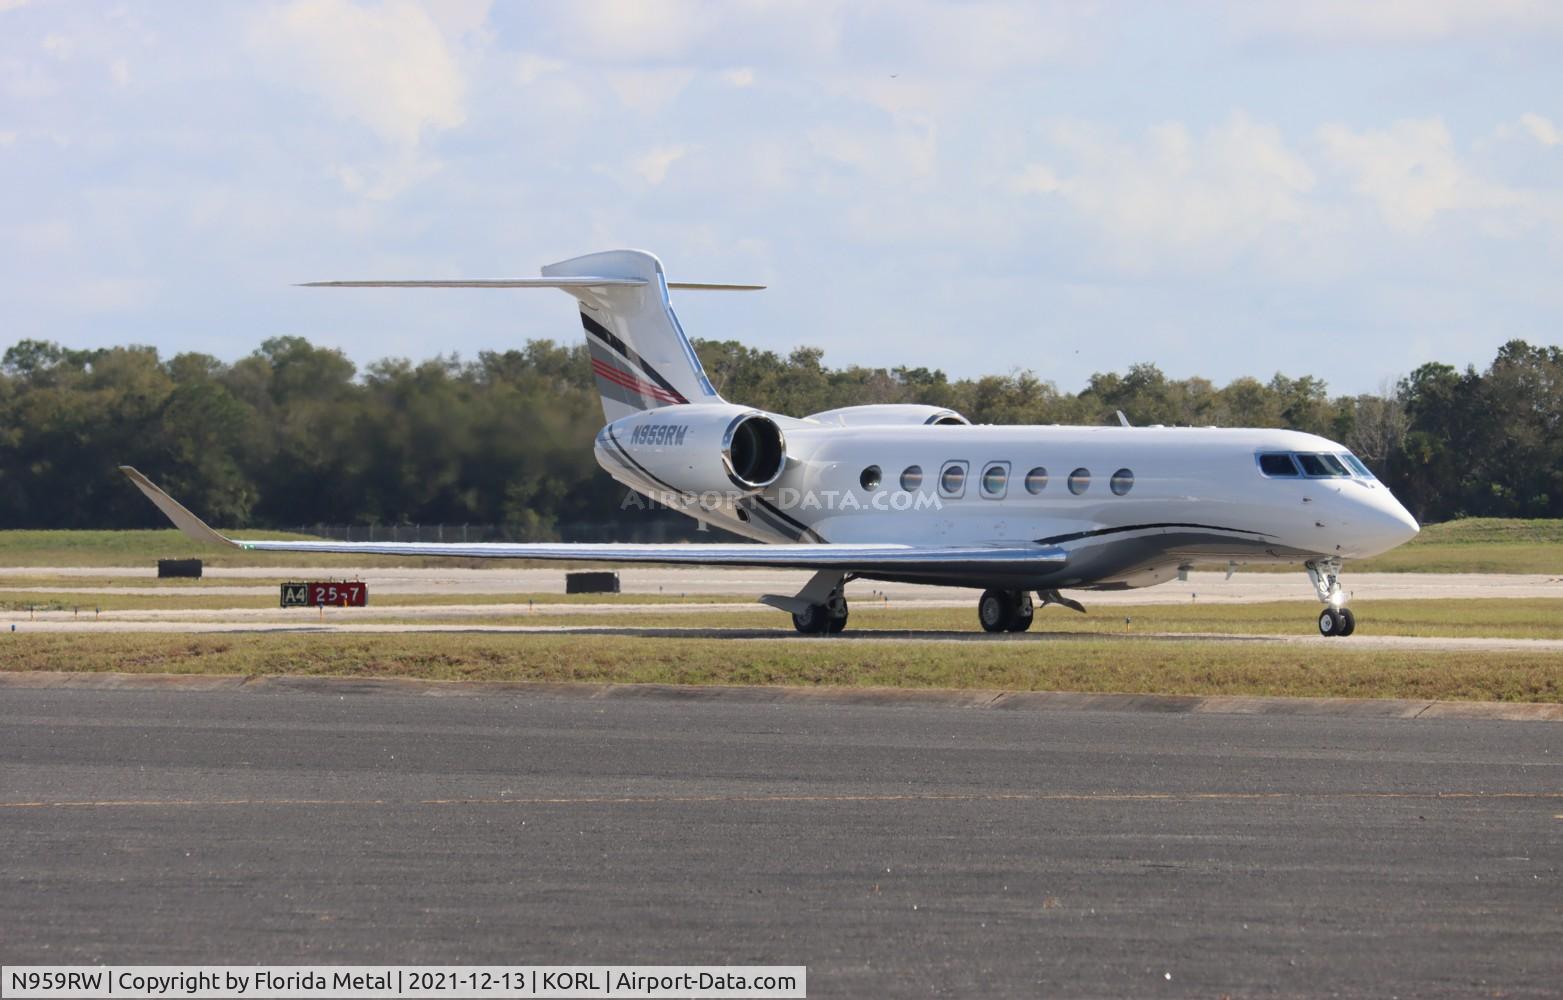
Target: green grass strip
x=1089 y=665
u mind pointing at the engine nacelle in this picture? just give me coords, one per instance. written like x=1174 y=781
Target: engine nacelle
x=888 y=415
x=696 y=448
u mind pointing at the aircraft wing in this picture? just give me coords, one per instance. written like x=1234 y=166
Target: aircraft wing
x=863 y=558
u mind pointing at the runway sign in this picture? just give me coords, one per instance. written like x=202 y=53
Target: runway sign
x=323 y=593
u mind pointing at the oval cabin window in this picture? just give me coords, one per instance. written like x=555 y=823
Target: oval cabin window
x=1036 y=480
x=952 y=481
x=1079 y=481
x=1122 y=482
x=994 y=479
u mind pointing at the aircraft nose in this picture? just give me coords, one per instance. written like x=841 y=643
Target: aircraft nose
x=1389 y=523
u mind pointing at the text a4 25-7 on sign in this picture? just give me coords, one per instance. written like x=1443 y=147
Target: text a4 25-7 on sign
x=325 y=593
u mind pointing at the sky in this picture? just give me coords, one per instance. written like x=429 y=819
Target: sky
x=1336 y=188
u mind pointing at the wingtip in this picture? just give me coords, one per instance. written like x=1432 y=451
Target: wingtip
x=192 y=526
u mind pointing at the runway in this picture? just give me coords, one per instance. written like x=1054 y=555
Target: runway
x=895 y=849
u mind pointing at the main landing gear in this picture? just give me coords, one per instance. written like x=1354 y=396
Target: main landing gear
x=1336 y=618
x=1005 y=610
x=818 y=619
x=997 y=611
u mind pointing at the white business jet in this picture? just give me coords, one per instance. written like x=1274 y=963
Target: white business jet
x=917 y=494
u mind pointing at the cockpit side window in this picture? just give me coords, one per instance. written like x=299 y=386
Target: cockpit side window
x=1277 y=465
x=1356 y=465
x=1322 y=465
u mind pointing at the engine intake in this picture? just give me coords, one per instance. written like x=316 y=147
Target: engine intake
x=754 y=451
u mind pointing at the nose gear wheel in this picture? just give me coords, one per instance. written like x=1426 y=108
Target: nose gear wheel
x=1336 y=619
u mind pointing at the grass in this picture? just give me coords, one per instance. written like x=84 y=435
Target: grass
x=1477 y=545
x=145 y=548
x=1088 y=665
x=1472 y=545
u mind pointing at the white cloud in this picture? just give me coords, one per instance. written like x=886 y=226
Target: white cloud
x=40 y=238
x=636 y=29
x=984 y=37
x=1399 y=21
x=25 y=80
x=649 y=91
x=119 y=72
x=1541 y=129
x=59 y=46
x=1176 y=197
x=7 y=138
x=740 y=76
x=1410 y=170
x=115 y=294
x=460 y=17
x=1035 y=179
x=646 y=33
x=6 y=5
x=905 y=155
x=386 y=179
x=653 y=164
x=390 y=67
x=531 y=67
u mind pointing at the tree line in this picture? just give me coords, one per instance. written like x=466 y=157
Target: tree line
x=296 y=434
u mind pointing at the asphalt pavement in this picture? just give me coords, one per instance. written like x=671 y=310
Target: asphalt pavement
x=896 y=848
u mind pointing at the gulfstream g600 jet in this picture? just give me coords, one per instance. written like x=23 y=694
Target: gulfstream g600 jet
x=916 y=493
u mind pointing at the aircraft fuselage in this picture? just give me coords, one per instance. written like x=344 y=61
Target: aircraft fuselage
x=1129 y=504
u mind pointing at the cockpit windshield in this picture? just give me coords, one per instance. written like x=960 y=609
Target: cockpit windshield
x=1321 y=465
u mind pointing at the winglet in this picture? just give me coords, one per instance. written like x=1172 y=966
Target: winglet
x=185 y=521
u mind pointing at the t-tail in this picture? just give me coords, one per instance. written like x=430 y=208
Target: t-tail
x=640 y=356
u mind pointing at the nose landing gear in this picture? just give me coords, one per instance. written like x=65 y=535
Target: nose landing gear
x=1336 y=619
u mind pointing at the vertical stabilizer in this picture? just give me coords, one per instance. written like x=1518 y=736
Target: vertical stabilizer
x=640 y=356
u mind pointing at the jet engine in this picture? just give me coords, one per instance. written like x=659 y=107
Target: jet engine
x=695 y=449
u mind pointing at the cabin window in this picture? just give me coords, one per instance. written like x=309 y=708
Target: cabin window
x=995 y=480
x=870 y=478
x=1277 y=465
x=952 y=479
x=1036 y=480
x=1322 y=465
x=912 y=478
x=1122 y=482
x=1079 y=481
